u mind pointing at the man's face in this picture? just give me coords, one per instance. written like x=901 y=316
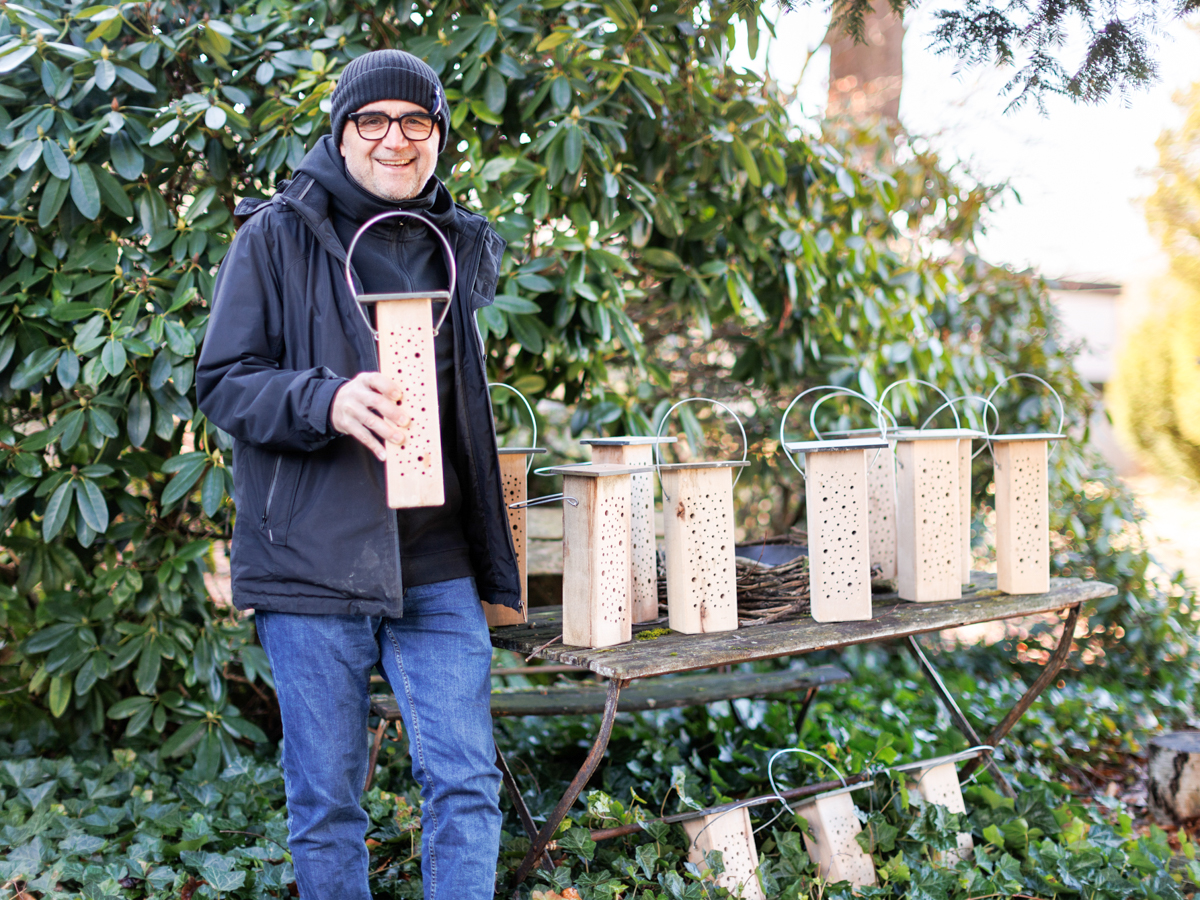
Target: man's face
x=392 y=167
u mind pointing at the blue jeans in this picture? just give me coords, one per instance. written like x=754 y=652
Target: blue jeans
x=436 y=658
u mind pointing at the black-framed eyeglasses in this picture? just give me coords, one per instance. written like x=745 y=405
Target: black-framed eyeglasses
x=374 y=126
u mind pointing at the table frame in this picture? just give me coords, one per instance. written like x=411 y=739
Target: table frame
x=892 y=619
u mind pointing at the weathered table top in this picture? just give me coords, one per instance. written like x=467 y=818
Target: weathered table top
x=893 y=618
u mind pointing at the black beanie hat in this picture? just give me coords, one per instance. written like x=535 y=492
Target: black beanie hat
x=389 y=75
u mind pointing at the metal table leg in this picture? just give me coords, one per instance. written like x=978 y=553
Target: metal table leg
x=1049 y=672
x=518 y=802
x=576 y=787
x=960 y=720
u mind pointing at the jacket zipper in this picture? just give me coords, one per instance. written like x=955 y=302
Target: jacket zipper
x=270 y=497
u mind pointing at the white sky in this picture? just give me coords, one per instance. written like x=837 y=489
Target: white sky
x=1078 y=169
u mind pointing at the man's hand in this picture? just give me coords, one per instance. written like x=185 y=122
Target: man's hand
x=368 y=409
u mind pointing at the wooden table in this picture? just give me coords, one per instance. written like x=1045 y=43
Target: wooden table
x=892 y=619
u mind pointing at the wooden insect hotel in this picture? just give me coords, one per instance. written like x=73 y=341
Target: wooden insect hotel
x=699 y=536
x=834 y=825
x=929 y=545
x=1022 y=511
x=404 y=329
x=514 y=469
x=597 y=565
x=1023 y=502
x=730 y=833
x=935 y=781
x=637 y=451
x=881 y=501
x=839 y=547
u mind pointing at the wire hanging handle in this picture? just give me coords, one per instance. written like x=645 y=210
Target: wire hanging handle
x=663 y=421
x=538 y=501
x=987 y=404
x=528 y=408
x=948 y=404
x=1062 y=413
x=451 y=266
x=835 y=390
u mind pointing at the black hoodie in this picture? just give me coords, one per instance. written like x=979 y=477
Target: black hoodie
x=401 y=255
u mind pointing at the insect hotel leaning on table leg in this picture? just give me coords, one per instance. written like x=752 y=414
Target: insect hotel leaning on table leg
x=836 y=500
x=1023 y=503
x=514 y=469
x=637 y=451
x=699 y=534
x=936 y=781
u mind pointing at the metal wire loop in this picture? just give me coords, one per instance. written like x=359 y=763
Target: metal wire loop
x=928 y=384
x=538 y=501
x=987 y=404
x=1062 y=413
x=837 y=391
x=451 y=266
x=532 y=418
x=663 y=421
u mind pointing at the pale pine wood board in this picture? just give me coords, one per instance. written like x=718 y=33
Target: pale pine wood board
x=834 y=827
x=732 y=834
x=596 y=562
x=839 y=547
x=1022 y=517
x=928 y=541
x=881 y=497
x=414 y=471
x=698 y=531
x=512 y=474
x=643 y=550
x=964 y=507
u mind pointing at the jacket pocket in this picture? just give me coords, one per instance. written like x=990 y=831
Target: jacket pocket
x=281 y=497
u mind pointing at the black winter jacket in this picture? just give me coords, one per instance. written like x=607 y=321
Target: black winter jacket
x=314 y=533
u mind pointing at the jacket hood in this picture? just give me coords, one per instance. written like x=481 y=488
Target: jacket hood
x=326 y=166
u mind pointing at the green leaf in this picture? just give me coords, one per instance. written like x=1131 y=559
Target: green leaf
x=53 y=195
x=55 y=159
x=481 y=112
x=163 y=132
x=552 y=40
x=92 y=505
x=49 y=638
x=148 y=667
x=573 y=148
x=179 y=339
x=514 y=304
x=184 y=738
x=746 y=159
x=662 y=259
x=56 y=510
x=189 y=473
x=14 y=56
x=495 y=91
x=126 y=158
x=112 y=193
x=212 y=491
x=60 y=694
x=106 y=74
x=139 y=418
x=68 y=369
x=134 y=80
x=84 y=191
x=113 y=357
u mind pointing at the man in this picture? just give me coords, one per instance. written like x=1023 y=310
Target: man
x=339 y=582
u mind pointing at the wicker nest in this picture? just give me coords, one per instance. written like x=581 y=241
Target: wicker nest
x=764 y=593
